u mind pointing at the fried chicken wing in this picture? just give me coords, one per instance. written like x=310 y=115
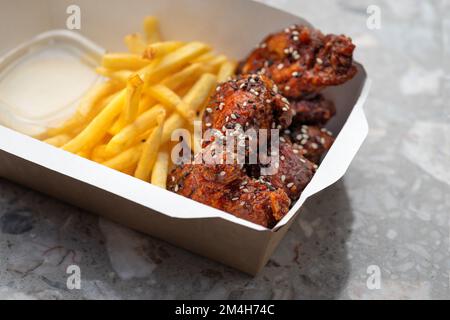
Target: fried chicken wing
x=311 y=141
x=315 y=111
x=247 y=102
x=228 y=188
x=302 y=61
x=294 y=171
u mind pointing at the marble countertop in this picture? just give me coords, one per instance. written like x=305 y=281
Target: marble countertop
x=389 y=214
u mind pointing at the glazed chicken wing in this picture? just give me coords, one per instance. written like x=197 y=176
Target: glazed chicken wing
x=302 y=61
x=311 y=141
x=250 y=101
x=314 y=111
x=227 y=187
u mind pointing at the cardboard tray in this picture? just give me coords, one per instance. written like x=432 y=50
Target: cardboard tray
x=232 y=27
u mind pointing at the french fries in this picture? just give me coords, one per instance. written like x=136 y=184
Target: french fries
x=125 y=137
x=135 y=43
x=127 y=61
x=227 y=70
x=160 y=170
x=126 y=123
x=134 y=90
x=160 y=49
x=95 y=131
x=151 y=29
x=150 y=150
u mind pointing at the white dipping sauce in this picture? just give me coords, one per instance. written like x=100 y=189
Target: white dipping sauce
x=45 y=82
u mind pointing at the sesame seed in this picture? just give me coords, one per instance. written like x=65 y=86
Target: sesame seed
x=208 y=124
x=242 y=203
x=314 y=145
x=283 y=177
x=176 y=188
x=282 y=139
x=233 y=116
x=299 y=137
x=295 y=38
x=287 y=88
x=282 y=158
x=280 y=66
x=209 y=110
x=319 y=61
x=244 y=104
x=303 y=142
x=173 y=179
x=322 y=140
x=268 y=101
x=245 y=190
x=302 y=160
x=315 y=166
x=285 y=109
x=290 y=185
x=235 y=199
x=295 y=151
x=218 y=88
x=222 y=173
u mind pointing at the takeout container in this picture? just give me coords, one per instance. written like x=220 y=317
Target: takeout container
x=232 y=27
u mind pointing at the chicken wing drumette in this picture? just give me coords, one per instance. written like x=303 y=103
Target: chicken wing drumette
x=302 y=60
x=312 y=142
x=293 y=173
x=314 y=111
x=250 y=101
x=227 y=187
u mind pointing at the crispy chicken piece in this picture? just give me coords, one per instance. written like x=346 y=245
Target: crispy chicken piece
x=294 y=171
x=301 y=60
x=247 y=102
x=315 y=111
x=228 y=188
x=311 y=141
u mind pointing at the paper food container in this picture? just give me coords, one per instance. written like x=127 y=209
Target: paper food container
x=232 y=27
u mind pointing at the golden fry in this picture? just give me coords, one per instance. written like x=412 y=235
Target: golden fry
x=187 y=75
x=160 y=49
x=135 y=43
x=193 y=101
x=127 y=61
x=171 y=100
x=175 y=60
x=58 y=140
x=97 y=129
x=175 y=121
x=125 y=159
x=134 y=90
x=214 y=64
x=151 y=28
x=120 y=76
x=126 y=136
x=149 y=152
x=160 y=170
x=227 y=70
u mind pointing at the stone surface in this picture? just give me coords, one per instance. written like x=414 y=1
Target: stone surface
x=391 y=210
